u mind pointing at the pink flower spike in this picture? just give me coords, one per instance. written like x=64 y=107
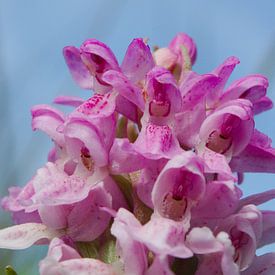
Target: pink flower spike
x=138 y=60
x=48 y=119
x=24 y=235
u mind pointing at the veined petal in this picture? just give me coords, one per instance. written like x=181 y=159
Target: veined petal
x=124 y=87
x=155 y=142
x=24 y=235
x=54 y=187
x=132 y=252
x=123 y=157
x=229 y=128
x=138 y=60
x=262 y=105
x=225 y=69
x=66 y=100
x=258 y=156
x=163 y=93
x=78 y=70
x=48 y=119
x=164 y=237
x=252 y=87
x=180 y=184
x=81 y=134
x=93 y=221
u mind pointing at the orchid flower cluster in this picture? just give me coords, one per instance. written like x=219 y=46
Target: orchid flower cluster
x=144 y=176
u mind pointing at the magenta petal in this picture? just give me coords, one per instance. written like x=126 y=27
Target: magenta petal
x=138 y=60
x=162 y=88
x=258 y=198
x=164 y=237
x=92 y=222
x=258 y=156
x=73 y=101
x=78 y=70
x=80 y=133
x=98 y=55
x=123 y=157
x=54 y=187
x=219 y=201
x=216 y=163
x=268 y=234
x=229 y=128
x=262 y=105
x=48 y=119
x=155 y=142
x=24 y=235
x=180 y=184
x=159 y=266
x=132 y=252
x=225 y=69
x=63 y=259
x=251 y=87
x=184 y=40
x=195 y=89
x=264 y=264
x=124 y=87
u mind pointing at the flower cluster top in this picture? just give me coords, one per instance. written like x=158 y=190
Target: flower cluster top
x=143 y=176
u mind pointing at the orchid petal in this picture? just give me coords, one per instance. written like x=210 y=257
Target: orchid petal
x=24 y=235
x=138 y=60
x=73 y=101
x=48 y=119
x=78 y=70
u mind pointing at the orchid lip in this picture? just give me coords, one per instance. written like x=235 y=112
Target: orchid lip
x=86 y=159
x=159 y=108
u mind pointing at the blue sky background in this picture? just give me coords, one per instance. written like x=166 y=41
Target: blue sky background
x=32 y=69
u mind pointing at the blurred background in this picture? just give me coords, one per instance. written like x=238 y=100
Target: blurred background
x=32 y=69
